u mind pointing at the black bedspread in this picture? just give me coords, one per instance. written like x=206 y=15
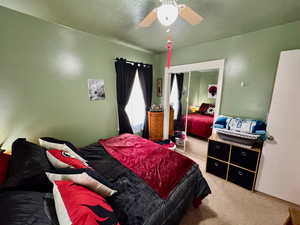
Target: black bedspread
x=134 y=204
x=27 y=208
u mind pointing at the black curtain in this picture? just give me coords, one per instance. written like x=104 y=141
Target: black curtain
x=180 y=78
x=125 y=78
x=146 y=79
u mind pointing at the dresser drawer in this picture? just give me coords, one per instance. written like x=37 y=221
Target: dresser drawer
x=244 y=158
x=216 y=167
x=241 y=177
x=218 y=150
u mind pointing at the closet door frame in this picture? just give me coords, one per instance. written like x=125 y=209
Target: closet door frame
x=187 y=68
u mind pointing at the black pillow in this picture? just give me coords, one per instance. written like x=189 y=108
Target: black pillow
x=27 y=167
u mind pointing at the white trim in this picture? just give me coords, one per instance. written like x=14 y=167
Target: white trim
x=166 y=98
x=187 y=108
x=202 y=66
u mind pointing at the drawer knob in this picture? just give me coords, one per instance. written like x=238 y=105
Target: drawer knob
x=240 y=173
x=243 y=153
x=216 y=164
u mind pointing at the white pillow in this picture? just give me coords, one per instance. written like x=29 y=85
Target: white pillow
x=64 y=147
x=210 y=111
x=83 y=179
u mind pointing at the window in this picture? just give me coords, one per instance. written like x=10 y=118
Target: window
x=135 y=108
x=174 y=97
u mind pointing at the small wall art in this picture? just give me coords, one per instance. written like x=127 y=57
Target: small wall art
x=212 y=91
x=96 y=89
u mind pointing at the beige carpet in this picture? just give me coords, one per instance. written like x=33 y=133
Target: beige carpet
x=229 y=204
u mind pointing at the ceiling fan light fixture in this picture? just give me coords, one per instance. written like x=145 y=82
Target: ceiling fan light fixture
x=167 y=13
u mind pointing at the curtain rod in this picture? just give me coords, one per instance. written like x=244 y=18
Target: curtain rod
x=116 y=59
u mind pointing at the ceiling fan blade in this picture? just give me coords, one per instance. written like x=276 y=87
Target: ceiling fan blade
x=190 y=15
x=149 y=19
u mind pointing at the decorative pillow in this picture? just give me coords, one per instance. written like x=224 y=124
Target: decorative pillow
x=63 y=159
x=210 y=111
x=206 y=109
x=84 y=177
x=27 y=167
x=52 y=143
x=203 y=108
x=4 y=161
x=245 y=126
x=76 y=205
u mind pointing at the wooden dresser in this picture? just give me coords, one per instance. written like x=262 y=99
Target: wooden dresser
x=233 y=162
x=156 y=123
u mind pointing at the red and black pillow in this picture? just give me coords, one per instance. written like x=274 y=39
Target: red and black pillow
x=76 y=205
x=4 y=161
x=85 y=177
x=206 y=109
x=203 y=108
x=63 y=159
x=53 y=143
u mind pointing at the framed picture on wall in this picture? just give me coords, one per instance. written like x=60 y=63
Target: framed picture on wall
x=212 y=90
x=159 y=87
x=96 y=89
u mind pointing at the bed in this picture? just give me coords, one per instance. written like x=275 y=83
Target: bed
x=198 y=124
x=136 y=202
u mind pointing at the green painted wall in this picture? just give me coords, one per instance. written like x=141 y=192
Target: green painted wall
x=44 y=69
x=194 y=88
x=251 y=58
x=199 y=82
x=199 y=85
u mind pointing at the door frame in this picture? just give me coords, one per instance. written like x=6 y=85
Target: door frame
x=201 y=66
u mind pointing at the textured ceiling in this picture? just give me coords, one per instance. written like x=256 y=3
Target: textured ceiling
x=118 y=18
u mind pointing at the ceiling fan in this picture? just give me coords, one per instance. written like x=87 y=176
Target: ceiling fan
x=168 y=12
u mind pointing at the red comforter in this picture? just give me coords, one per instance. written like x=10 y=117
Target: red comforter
x=161 y=168
x=199 y=124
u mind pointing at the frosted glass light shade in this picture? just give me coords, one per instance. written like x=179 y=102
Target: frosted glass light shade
x=167 y=14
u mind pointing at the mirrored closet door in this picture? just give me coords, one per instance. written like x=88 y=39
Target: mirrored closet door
x=199 y=115
x=194 y=92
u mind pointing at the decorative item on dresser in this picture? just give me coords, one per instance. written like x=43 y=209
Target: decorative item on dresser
x=155 y=124
x=233 y=162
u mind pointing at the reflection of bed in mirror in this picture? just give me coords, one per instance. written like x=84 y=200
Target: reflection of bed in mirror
x=200 y=122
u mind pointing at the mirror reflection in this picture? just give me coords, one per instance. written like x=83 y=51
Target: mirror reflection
x=193 y=97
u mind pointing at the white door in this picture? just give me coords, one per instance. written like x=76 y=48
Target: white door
x=279 y=173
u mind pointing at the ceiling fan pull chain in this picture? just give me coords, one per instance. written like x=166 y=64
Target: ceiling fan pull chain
x=169 y=46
